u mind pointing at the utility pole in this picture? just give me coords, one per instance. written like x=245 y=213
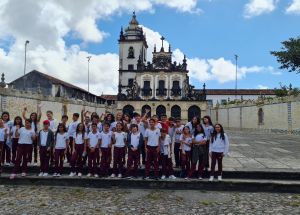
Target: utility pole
x=25 y=61
x=236 y=72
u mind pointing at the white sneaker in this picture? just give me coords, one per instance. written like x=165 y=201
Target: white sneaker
x=35 y=164
x=172 y=177
x=89 y=175
x=41 y=174
x=200 y=178
x=72 y=174
x=163 y=177
x=12 y=176
x=79 y=174
x=23 y=174
x=58 y=175
x=211 y=178
x=45 y=174
x=96 y=176
x=113 y=175
x=187 y=178
x=6 y=164
x=120 y=176
x=146 y=178
x=55 y=175
x=219 y=178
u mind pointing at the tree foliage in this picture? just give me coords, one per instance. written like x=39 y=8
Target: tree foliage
x=289 y=55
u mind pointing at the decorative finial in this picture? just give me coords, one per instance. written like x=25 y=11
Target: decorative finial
x=204 y=86
x=154 y=47
x=162 y=44
x=169 y=47
x=2 y=83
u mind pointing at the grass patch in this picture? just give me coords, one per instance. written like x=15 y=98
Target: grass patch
x=206 y=203
x=295 y=204
x=154 y=196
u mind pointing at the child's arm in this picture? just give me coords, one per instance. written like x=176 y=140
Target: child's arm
x=39 y=113
x=226 y=145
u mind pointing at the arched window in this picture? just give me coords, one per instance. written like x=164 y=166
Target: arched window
x=130 y=52
x=260 y=116
x=128 y=109
x=176 y=111
x=160 y=110
x=194 y=111
x=144 y=108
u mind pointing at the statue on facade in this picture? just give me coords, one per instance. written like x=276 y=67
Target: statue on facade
x=133 y=92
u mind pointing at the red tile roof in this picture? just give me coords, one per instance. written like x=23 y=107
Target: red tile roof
x=109 y=97
x=240 y=92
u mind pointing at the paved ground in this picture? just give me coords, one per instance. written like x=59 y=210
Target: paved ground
x=256 y=151
x=58 y=200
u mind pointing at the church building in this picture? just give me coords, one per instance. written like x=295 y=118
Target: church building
x=161 y=86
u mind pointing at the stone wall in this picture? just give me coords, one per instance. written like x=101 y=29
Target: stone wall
x=277 y=115
x=14 y=102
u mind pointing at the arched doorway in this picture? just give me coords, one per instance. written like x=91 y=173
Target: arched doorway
x=176 y=111
x=128 y=109
x=194 y=111
x=144 y=108
x=160 y=110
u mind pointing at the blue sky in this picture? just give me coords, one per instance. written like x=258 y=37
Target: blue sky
x=208 y=29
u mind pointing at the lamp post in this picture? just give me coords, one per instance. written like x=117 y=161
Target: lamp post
x=236 y=71
x=89 y=58
x=25 y=61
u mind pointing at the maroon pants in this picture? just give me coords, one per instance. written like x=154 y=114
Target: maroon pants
x=185 y=161
x=216 y=156
x=22 y=156
x=6 y=153
x=34 y=152
x=1 y=149
x=77 y=158
x=152 y=159
x=14 y=149
x=118 y=164
x=59 y=157
x=44 y=159
x=105 y=161
x=92 y=160
x=133 y=162
x=70 y=150
x=167 y=165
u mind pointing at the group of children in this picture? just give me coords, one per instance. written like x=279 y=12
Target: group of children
x=123 y=140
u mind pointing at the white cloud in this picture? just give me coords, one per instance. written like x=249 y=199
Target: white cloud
x=47 y=23
x=262 y=87
x=259 y=7
x=294 y=7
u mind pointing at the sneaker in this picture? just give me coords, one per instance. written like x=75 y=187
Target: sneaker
x=45 y=174
x=6 y=164
x=23 y=174
x=129 y=177
x=72 y=174
x=58 y=175
x=55 y=175
x=96 y=176
x=120 y=176
x=41 y=174
x=113 y=175
x=172 y=177
x=89 y=175
x=163 y=177
x=200 y=178
x=211 y=178
x=187 y=178
x=79 y=174
x=219 y=178
x=11 y=164
x=12 y=176
x=156 y=178
x=146 y=178
x=35 y=164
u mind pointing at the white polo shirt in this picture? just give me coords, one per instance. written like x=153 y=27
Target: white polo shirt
x=135 y=139
x=120 y=138
x=43 y=136
x=153 y=136
x=93 y=138
x=187 y=143
x=61 y=140
x=26 y=136
x=79 y=139
x=105 y=139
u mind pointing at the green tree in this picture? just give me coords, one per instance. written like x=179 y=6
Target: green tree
x=289 y=55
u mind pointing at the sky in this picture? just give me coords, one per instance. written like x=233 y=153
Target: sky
x=62 y=33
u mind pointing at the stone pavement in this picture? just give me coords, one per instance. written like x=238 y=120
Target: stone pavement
x=69 y=200
x=251 y=151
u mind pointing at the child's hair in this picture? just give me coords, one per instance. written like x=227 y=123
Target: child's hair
x=198 y=121
x=186 y=127
x=120 y=123
x=178 y=119
x=76 y=114
x=199 y=132
x=18 y=118
x=214 y=134
x=83 y=129
x=134 y=126
x=171 y=119
x=94 y=124
x=151 y=119
x=49 y=111
x=28 y=120
x=65 y=116
x=106 y=123
x=5 y=113
x=209 y=120
x=112 y=118
x=60 y=125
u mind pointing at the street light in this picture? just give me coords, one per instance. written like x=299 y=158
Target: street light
x=26 y=43
x=89 y=58
x=236 y=71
